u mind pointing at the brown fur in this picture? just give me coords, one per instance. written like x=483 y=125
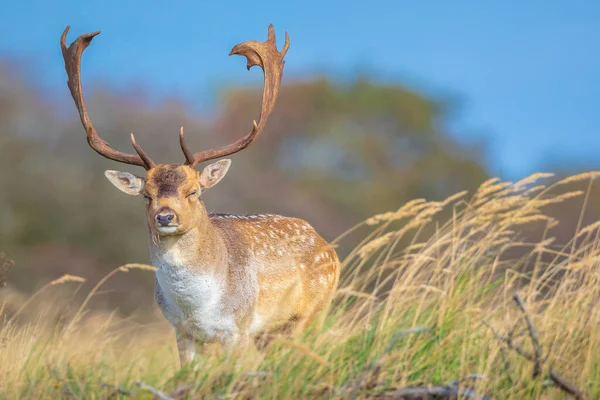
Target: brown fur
x=277 y=272
x=219 y=277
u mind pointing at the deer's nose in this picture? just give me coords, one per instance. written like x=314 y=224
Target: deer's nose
x=164 y=218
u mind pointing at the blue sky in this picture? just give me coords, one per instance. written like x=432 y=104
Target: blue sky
x=527 y=72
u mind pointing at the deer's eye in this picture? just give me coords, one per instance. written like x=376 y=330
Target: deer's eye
x=192 y=193
x=148 y=198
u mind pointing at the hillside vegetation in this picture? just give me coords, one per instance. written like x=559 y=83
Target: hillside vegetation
x=326 y=143
x=469 y=303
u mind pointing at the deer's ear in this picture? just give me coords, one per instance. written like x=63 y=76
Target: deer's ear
x=213 y=173
x=125 y=182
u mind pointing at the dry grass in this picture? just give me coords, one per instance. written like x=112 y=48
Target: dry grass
x=422 y=313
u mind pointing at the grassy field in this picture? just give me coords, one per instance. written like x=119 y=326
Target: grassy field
x=469 y=306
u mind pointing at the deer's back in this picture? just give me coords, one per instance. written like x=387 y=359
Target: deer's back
x=295 y=269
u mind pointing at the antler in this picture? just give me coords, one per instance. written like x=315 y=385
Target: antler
x=72 y=56
x=266 y=56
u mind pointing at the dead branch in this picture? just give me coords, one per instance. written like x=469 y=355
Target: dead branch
x=181 y=391
x=509 y=342
x=117 y=390
x=537 y=368
x=155 y=392
x=566 y=385
x=433 y=392
x=536 y=357
x=450 y=390
x=471 y=377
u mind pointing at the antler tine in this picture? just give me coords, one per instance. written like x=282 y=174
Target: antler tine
x=189 y=157
x=266 y=56
x=148 y=163
x=72 y=57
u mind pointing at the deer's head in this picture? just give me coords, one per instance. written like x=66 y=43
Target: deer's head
x=172 y=191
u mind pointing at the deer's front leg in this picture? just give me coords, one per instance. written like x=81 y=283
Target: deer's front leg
x=234 y=341
x=187 y=346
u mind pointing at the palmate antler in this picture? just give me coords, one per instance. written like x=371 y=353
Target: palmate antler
x=72 y=57
x=266 y=56
x=263 y=54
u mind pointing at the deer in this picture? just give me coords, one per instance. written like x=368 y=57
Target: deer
x=220 y=278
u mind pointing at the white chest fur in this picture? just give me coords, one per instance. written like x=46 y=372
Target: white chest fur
x=194 y=301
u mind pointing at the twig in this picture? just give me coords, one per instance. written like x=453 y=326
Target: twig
x=472 y=377
x=181 y=391
x=509 y=342
x=536 y=358
x=450 y=390
x=155 y=392
x=555 y=376
x=116 y=390
x=565 y=385
x=537 y=368
x=434 y=392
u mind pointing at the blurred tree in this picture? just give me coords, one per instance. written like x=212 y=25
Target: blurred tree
x=332 y=154
x=356 y=150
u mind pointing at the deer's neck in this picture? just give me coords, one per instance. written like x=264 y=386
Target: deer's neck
x=201 y=249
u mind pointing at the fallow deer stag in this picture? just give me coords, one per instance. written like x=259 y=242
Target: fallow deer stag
x=220 y=277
